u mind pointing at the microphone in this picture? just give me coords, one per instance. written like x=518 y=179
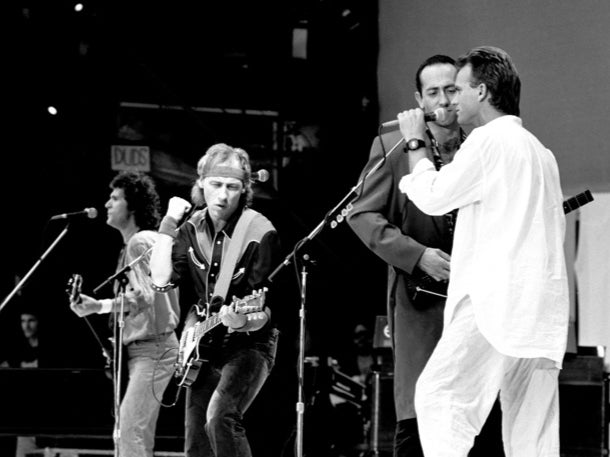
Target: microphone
x=439 y=114
x=259 y=176
x=91 y=213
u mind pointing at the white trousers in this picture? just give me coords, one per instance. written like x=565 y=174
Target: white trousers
x=461 y=382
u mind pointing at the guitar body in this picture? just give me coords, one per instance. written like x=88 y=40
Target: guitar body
x=422 y=287
x=191 y=353
x=197 y=339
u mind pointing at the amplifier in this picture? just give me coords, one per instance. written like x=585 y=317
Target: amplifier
x=583 y=407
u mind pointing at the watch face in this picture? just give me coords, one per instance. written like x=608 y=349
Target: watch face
x=414 y=144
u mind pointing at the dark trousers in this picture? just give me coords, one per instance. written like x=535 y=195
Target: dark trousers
x=406 y=439
x=218 y=399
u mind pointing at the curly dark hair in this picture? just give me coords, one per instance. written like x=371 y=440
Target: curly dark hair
x=141 y=196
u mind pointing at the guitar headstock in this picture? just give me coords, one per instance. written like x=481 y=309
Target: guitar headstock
x=577 y=201
x=75 y=284
x=251 y=303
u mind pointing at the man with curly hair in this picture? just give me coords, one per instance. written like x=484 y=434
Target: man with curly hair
x=150 y=318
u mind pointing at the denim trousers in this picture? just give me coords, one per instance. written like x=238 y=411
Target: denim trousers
x=151 y=366
x=222 y=393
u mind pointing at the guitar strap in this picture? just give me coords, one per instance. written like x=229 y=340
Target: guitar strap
x=235 y=247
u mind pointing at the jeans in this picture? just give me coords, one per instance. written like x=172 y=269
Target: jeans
x=219 y=397
x=151 y=366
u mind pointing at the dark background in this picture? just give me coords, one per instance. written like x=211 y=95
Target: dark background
x=175 y=59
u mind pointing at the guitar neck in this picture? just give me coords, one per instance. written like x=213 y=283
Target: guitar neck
x=207 y=325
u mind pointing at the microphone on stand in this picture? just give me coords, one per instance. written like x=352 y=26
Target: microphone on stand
x=439 y=114
x=91 y=213
x=259 y=176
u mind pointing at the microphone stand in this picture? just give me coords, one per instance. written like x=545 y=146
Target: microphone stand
x=34 y=267
x=334 y=217
x=117 y=368
x=118 y=325
x=301 y=364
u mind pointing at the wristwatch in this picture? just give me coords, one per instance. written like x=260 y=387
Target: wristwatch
x=415 y=143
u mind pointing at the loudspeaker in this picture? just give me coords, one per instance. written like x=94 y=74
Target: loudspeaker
x=383 y=415
x=583 y=407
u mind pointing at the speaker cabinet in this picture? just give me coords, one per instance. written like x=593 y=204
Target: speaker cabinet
x=583 y=407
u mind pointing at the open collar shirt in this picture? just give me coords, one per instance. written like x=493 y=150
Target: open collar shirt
x=508 y=243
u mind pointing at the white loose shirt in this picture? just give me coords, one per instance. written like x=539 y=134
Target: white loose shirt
x=508 y=243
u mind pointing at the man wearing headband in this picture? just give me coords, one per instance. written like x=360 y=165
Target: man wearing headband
x=224 y=239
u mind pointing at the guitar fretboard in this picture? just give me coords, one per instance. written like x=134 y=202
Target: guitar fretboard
x=207 y=325
x=212 y=321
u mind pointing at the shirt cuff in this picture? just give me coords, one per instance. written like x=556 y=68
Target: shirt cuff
x=106 y=306
x=420 y=167
x=168 y=226
x=423 y=165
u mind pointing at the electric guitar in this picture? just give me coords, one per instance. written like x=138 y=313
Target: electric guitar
x=197 y=326
x=74 y=288
x=422 y=285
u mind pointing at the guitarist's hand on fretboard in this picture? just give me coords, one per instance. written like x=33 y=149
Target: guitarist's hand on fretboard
x=236 y=322
x=85 y=306
x=81 y=304
x=238 y=317
x=231 y=318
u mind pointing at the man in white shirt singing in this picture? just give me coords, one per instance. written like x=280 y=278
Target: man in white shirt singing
x=506 y=317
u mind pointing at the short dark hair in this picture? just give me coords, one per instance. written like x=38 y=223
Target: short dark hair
x=141 y=196
x=494 y=68
x=434 y=60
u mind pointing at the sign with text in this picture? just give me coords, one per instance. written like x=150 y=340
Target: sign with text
x=130 y=157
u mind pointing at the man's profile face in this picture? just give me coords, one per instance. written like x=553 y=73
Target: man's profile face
x=466 y=103
x=117 y=212
x=438 y=90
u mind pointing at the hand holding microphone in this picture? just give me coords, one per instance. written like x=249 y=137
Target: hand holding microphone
x=412 y=124
x=438 y=115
